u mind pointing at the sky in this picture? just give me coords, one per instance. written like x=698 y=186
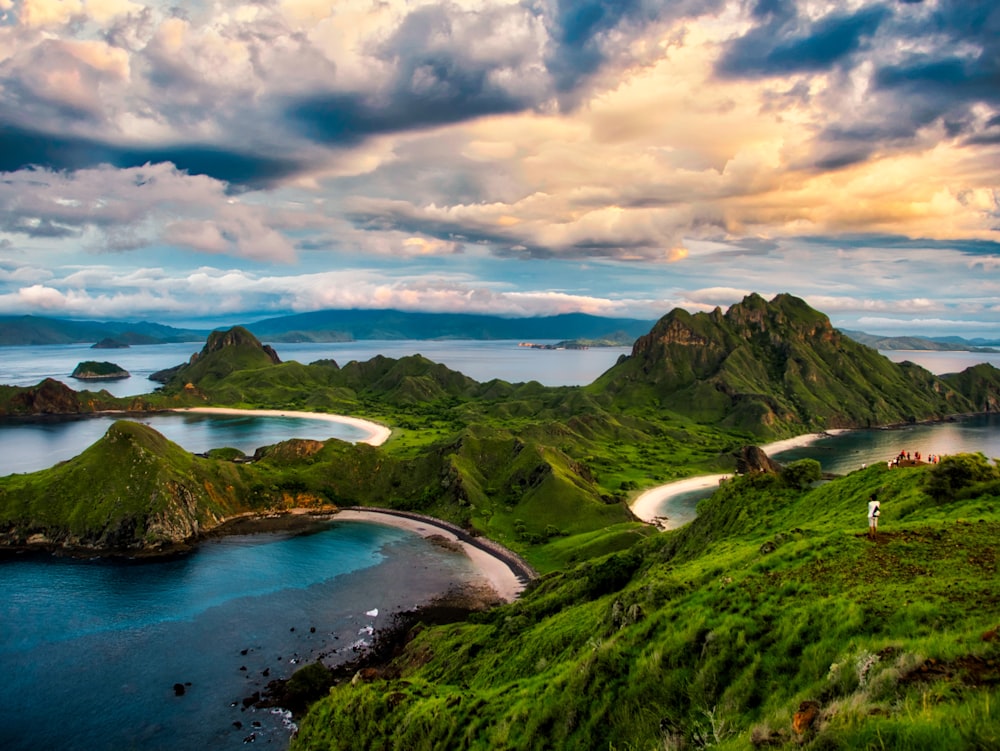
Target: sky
x=222 y=162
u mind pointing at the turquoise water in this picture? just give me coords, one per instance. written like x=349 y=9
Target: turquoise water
x=91 y=650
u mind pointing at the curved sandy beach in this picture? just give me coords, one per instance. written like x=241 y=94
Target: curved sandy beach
x=649 y=505
x=498 y=573
x=377 y=434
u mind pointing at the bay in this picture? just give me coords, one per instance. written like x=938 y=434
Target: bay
x=91 y=650
x=847 y=451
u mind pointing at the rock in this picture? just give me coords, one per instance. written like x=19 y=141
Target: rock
x=753 y=459
x=805 y=717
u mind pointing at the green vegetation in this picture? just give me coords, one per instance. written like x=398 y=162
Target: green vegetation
x=772 y=605
x=93 y=370
x=715 y=635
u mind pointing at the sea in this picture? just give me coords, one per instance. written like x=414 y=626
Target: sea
x=93 y=651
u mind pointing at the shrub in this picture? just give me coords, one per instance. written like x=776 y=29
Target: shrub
x=801 y=474
x=955 y=473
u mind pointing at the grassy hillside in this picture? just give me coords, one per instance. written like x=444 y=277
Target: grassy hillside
x=717 y=635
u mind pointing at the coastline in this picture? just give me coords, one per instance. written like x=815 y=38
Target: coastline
x=646 y=504
x=376 y=434
x=502 y=569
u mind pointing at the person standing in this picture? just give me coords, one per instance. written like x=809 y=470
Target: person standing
x=874 y=511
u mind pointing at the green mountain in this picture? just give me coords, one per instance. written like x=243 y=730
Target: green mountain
x=778 y=368
x=139 y=492
x=225 y=352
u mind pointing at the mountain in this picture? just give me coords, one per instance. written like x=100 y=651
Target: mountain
x=133 y=491
x=779 y=367
x=348 y=325
x=36 y=330
x=224 y=352
x=942 y=344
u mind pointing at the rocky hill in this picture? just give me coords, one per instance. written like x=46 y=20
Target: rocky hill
x=135 y=492
x=224 y=352
x=780 y=367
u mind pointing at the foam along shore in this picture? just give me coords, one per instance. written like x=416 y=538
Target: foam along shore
x=650 y=505
x=376 y=434
x=497 y=572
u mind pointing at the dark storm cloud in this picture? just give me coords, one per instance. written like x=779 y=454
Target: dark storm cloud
x=437 y=78
x=783 y=43
x=587 y=35
x=21 y=148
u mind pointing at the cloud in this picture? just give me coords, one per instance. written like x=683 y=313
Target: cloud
x=132 y=208
x=786 y=43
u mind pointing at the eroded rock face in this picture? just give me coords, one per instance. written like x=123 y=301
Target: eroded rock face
x=754 y=459
x=235 y=337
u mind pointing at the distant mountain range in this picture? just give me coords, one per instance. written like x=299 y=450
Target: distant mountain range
x=36 y=330
x=356 y=325
x=942 y=343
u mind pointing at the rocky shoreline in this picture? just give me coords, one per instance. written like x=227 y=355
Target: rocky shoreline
x=375 y=662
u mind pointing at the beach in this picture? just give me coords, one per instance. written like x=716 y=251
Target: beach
x=497 y=572
x=648 y=505
x=377 y=434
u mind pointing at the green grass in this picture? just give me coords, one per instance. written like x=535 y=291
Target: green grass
x=711 y=636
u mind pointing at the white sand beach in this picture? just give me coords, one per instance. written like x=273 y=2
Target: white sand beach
x=496 y=572
x=648 y=505
x=377 y=434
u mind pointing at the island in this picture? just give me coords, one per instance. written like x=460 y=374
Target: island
x=109 y=343
x=776 y=618
x=91 y=370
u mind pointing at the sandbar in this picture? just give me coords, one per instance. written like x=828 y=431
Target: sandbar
x=497 y=572
x=648 y=506
x=376 y=434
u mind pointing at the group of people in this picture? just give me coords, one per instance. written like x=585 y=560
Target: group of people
x=915 y=458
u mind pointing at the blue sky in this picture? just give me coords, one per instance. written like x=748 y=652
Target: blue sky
x=221 y=162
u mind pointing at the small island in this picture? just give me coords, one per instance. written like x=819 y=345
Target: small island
x=91 y=370
x=109 y=343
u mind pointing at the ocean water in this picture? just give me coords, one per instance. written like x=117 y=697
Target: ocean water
x=481 y=360
x=90 y=650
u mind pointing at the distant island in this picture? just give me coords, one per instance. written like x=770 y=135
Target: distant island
x=109 y=343
x=617 y=339
x=91 y=370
